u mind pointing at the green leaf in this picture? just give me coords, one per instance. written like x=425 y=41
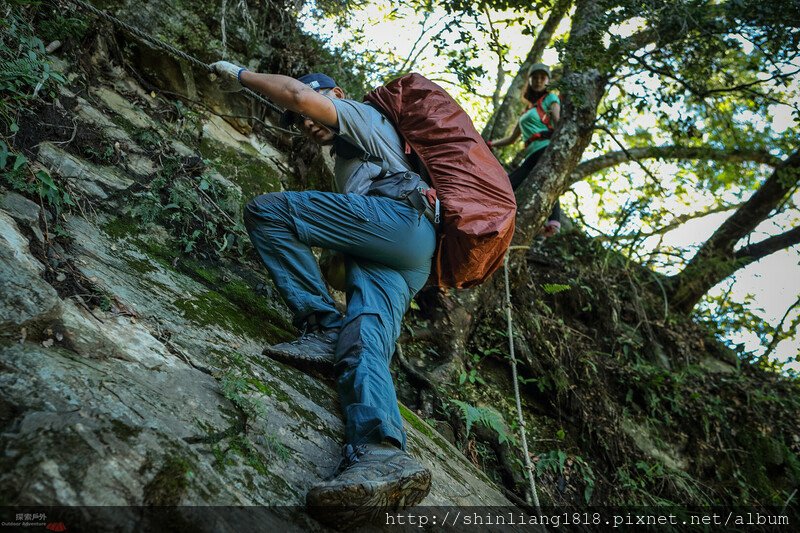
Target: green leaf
x=14 y=128
x=562 y=458
x=3 y=154
x=225 y=242
x=45 y=178
x=587 y=492
x=475 y=377
x=462 y=378
x=19 y=161
x=470 y=414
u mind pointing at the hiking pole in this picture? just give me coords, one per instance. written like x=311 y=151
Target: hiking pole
x=521 y=419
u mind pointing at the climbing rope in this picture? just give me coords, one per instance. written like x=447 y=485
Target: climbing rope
x=521 y=419
x=157 y=43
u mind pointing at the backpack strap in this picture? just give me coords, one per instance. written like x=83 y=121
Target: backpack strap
x=347 y=148
x=542 y=115
x=413 y=157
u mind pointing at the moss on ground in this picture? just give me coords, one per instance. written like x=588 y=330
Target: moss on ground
x=250 y=311
x=122 y=226
x=170 y=484
x=230 y=303
x=416 y=422
x=211 y=308
x=140 y=265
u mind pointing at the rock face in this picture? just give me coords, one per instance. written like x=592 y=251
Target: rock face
x=27 y=301
x=139 y=382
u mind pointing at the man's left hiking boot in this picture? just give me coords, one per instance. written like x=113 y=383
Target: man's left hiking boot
x=374 y=479
x=312 y=351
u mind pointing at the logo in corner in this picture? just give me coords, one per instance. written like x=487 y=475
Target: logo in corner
x=56 y=526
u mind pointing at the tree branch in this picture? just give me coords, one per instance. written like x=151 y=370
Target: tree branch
x=743 y=86
x=497 y=46
x=611 y=159
x=674 y=223
x=759 y=250
x=414 y=53
x=779 y=335
x=715 y=259
x=668 y=32
x=714 y=92
x=627 y=152
x=756 y=209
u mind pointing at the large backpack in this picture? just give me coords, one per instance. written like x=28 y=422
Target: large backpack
x=478 y=204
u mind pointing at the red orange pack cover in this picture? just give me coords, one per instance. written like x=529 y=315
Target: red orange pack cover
x=478 y=204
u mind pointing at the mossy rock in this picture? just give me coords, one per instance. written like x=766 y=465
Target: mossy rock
x=211 y=308
x=243 y=167
x=170 y=483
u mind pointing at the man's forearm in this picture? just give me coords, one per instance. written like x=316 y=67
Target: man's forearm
x=283 y=90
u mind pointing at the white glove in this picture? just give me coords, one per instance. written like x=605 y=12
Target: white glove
x=229 y=75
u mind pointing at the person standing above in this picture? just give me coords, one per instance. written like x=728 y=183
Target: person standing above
x=388 y=246
x=536 y=125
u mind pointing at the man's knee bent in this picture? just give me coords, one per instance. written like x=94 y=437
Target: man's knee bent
x=270 y=207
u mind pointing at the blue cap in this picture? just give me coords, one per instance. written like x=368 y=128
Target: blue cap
x=318 y=81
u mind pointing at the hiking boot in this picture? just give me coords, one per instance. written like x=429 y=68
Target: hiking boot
x=373 y=479
x=313 y=351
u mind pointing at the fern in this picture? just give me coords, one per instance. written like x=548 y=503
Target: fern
x=488 y=417
x=25 y=69
x=555 y=288
x=235 y=388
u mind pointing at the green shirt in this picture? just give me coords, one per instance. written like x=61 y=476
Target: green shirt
x=530 y=124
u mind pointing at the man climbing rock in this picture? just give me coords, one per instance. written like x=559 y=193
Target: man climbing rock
x=388 y=246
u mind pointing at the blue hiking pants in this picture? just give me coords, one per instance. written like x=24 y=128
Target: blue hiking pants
x=388 y=249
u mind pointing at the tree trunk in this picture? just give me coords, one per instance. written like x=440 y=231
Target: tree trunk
x=454 y=314
x=511 y=108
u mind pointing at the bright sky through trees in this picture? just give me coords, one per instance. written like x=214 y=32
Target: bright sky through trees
x=398 y=36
